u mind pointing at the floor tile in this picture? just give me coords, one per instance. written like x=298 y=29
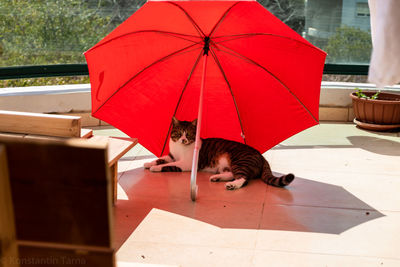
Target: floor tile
x=253 y=192
x=306 y=192
x=161 y=226
x=339 y=190
x=184 y=255
x=314 y=219
x=143 y=183
x=376 y=238
x=351 y=160
x=229 y=214
x=129 y=214
x=279 y=259
x=167 y=238
x=381 y=191
x=136 y=264
x=164 y=227
x=127 y=217
x=330 y=134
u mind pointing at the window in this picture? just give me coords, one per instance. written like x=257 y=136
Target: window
x=362 y=10
x=331 y=25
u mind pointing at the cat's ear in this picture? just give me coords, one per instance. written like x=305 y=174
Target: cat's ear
x=194 y=122
x=175 y=121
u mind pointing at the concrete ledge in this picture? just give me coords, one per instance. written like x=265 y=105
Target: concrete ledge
x=336 y=94
x=333 y=114
x=46 y=99
x=335 y=103
x=45 y=90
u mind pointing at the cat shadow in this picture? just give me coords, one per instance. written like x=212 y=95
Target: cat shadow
x=305 y=205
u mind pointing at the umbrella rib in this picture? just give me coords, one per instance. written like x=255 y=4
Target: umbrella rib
x=248 y=35
x=221 y=19
x=197 y=27
x=238 y=55
x=180 y=97
x=178 y=52
x=173 y=34
x=230 y=89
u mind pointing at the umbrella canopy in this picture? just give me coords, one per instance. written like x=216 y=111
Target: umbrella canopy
x=261 y=84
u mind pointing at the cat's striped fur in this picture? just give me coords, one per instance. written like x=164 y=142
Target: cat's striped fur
x=228 y=160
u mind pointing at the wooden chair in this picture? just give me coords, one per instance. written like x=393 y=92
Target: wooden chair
x=62 y=208
x=30 y=125
x=8 y=242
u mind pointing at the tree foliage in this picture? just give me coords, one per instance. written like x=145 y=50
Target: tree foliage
x=118 y=10
x=291 y=12
x=349 y=44
x=42 y=32
x=48 y=32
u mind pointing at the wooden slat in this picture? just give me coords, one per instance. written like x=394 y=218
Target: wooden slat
x=86 y=133
x=61 y=190
x=28 y=243
x=35 y=255
x=8 y=245
x=117 y=146
x=42 y=137
x=12 y=135
x=114 y=175
x=42 y=124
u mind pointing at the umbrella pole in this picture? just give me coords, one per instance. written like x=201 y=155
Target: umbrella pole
x=193 y=185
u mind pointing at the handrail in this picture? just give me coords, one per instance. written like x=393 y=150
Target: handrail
x=345 y=69
x=18 y=72
x=37 y=71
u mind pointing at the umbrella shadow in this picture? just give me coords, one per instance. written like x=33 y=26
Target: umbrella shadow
x=376 y=145
x=306 y=205
x=311 y=206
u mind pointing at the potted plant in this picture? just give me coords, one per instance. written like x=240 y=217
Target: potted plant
x=376 y=111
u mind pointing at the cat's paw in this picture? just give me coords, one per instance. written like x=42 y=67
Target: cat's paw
x=148 y=165
x=225 y=176
x=236 y=184
x=156 y=168
x=214 y=178
x=230 y=186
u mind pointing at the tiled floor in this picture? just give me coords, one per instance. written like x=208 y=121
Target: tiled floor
x=343 y=209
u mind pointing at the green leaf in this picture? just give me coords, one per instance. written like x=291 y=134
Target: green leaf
x=375 y=96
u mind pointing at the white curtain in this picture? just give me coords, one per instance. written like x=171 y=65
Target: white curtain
x=385 y=31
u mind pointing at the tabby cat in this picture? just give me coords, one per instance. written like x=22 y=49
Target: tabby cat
x=230 y=161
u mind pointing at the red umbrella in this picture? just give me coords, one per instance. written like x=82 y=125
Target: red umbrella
x=256 y=79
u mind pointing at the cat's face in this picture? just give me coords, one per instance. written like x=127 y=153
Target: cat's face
x=183 y=132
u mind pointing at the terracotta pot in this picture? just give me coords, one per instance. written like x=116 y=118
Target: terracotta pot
x=383 y=111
